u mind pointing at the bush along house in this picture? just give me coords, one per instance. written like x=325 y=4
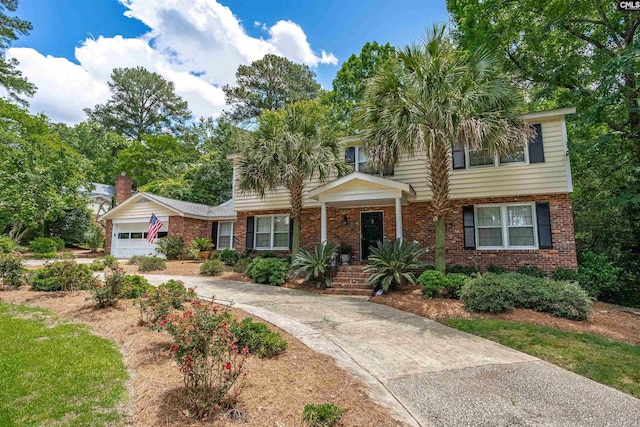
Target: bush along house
x=507 y=210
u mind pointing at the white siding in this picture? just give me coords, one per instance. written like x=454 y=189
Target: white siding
x=514 y=180
x=143 y=208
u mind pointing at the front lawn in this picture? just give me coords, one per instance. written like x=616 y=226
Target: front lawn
x=608 y=362
x=55 y=372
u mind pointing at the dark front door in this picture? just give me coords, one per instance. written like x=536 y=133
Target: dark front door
x=371 y=231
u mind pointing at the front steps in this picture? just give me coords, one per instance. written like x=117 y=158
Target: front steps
x=350 y=280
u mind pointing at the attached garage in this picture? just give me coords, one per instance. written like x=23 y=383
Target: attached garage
x=130 y=238
x=127 y=224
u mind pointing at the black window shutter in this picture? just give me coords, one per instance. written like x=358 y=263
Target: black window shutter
x=290 y=233
x=543 y=214
x=214 y=234
x=249 y=241
x=350 y=155
x=469 y=227
x=536 y=146
x=388 y=170
x=458 y=156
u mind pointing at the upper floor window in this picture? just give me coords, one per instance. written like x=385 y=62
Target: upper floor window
x=483 y=157
x=533 y=152
x=357 y=160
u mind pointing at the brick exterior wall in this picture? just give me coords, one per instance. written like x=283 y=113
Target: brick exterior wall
x=108 y=236
x=418 y=225
x=189 y=228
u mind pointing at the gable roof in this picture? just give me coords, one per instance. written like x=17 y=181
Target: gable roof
x=181 y=208
x=406 y=189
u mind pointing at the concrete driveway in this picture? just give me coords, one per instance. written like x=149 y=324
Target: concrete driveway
x=426 y=373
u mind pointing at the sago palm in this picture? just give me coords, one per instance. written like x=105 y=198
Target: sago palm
x=289 y=148
x=430 y=98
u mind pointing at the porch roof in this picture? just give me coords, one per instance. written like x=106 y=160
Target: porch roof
x=359 y=187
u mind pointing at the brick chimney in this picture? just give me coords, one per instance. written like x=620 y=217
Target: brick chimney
x=124 y=184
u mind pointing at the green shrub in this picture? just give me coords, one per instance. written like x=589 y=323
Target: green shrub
x=43 y=245
x=268 y=270
x=248 y=253
x=315 y=266
x=107 y=294
x=135 y=260
x=201 y=244
x=565 y=274
x=455 y=282
x=229 y=257
x=59 y=243
x=468 y=270
x=110 y=261
x=62 y=276
x=7 y=244
x=393 y=264
x=50 y=255
x=531 y=270
x=267 y=254
x=598 y=276
x=97 y=265
x=495 y=293
x=497 y=269
x=324 y=415
x=93 y=238
x=433 y=283
x=211 y=267
x=171 y=246
x=12 y=271
x=67 y=255
x=242 y=265
x=258 y=338
x=178 y=292
x=135 y=286
x=489 y=293
x=151 y=263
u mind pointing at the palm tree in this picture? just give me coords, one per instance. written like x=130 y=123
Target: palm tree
x=290 y=147
x=431 y=98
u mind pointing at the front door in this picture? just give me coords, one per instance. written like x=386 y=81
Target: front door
x=371 y=231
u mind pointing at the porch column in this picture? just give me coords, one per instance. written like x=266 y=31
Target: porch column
x=323 y=222
x=398 y=218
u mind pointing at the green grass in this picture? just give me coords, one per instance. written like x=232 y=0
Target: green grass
x=608 y=362
x=54 y=372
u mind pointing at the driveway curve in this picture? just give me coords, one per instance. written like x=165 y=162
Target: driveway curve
x=426 y=373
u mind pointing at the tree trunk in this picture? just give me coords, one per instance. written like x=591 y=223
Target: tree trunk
x=296 y=200
x=441 y=234
x=438 y=163
x=295 y=246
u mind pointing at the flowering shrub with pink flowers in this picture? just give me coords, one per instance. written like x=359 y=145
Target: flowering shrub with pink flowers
x=158 y=304
x=210 y=360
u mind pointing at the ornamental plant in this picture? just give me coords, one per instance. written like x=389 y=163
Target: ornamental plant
x=211 y=363
x=393 y=264
x=12 y=271
x=108 y=293
x=158 y=304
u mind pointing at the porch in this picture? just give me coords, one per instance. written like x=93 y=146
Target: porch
x=359 y=209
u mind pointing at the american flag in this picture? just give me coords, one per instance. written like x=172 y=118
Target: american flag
x=154 y=226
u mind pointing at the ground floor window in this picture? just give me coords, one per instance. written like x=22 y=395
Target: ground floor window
x=506 y=226
x=225 y=235
x=272 y=232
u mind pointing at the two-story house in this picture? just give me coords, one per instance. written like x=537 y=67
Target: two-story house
x=507 y=210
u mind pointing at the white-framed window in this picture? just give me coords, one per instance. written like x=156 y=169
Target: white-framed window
x=357 y=160
x=225 y=235
x=485 y=158
x=272 y=232
x=506 y=226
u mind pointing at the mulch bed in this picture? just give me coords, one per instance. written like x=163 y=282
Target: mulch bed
x=275 y=391
x=607 y=320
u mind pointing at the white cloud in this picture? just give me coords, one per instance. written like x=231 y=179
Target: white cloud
x=197 y=44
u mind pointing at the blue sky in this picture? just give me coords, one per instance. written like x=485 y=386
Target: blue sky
x=76 y=43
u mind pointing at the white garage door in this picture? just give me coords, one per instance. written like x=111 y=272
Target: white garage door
x=130 y=239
